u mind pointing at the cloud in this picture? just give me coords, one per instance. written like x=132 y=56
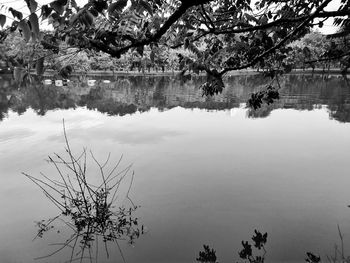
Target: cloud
x=15 y=134
x=128 y=134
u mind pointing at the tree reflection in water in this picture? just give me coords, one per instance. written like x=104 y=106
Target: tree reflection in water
x=128 y=95
x=87 y=209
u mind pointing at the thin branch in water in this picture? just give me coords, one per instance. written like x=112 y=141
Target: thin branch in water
x=114 y=168
x=127 y=194
x=341 y=242
x=56 y=251
x=120 y=251
x=87 y=210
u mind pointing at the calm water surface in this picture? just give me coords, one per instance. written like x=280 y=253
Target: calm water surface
x=207 y=170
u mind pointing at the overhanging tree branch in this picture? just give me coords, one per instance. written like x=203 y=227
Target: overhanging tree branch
x=279 y=22
x=116 y=52
x=327 y=58
x=280 y=43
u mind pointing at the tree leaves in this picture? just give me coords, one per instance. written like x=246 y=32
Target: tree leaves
x=268 y=96
x=251 y=18
x=39 y=66
x=58 y=6
x=140 y=50
x=243 y=38
x=33 y=19
x=45 y=11
x=66 y=71
x=145 y=6
x=32 y=5
x=74 y=4
x=151 y=56
x=84 y=17
x=117 y=6
x=16 y=14
x=30 y=29
x=20 y=74
x=213 y=86
x=87 y=18
x=23 y=25
x=2 y=20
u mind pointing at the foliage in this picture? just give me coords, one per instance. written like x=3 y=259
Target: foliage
x=259 y=243
x=311 y=258
x=213 y=36
x=259 y=239
x=100 y=61
x=127 y=95
x=315 y=50
x=268 y=96
x=88 y=210
x=338 y=256
x=207 y=256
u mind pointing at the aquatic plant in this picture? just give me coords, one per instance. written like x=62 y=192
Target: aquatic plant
x=259 y=239
x=338 y=256
x=312 y=258
x=207 y=256
x=89 y=211
x=259 y=242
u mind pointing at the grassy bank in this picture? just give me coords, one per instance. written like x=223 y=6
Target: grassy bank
x=108 y=73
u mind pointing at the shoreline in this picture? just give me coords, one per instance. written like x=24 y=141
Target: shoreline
x=100 y=73
x=109 y=73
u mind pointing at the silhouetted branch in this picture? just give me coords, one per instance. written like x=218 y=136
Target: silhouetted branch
x=88 y=211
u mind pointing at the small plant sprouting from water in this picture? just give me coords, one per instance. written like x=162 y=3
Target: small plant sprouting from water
x=209 y=255
x=89 y=211
x=338 y=256
x=312 y=258
x=259 y=242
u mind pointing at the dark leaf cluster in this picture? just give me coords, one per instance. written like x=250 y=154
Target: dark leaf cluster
x=312 y=258
x=259 y=239
x=267 y=96
x=247 y=251
x=213 y=86
x=207 y=256
x=66 y=71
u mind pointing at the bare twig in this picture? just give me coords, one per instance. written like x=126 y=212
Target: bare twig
x=87 y=210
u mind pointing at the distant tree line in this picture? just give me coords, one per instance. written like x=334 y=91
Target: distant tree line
x=211 y=36
x=17 y=52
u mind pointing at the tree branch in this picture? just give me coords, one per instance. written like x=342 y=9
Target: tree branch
x=207 y=17
x=280 y=43
x=116 y=52
x=327 y=59
x=278 y=22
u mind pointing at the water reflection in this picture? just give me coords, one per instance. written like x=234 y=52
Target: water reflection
x=127 y=95
x=90 y=214
x=202 y=176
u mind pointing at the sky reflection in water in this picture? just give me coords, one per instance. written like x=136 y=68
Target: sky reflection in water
x=201 y=176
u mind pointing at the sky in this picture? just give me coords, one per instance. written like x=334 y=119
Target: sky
x=328 y=27
x=20 y=5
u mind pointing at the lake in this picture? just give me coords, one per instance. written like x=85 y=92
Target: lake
x=207 y=169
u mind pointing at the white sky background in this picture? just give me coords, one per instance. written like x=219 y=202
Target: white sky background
x=20 y=5
x=328 y=27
